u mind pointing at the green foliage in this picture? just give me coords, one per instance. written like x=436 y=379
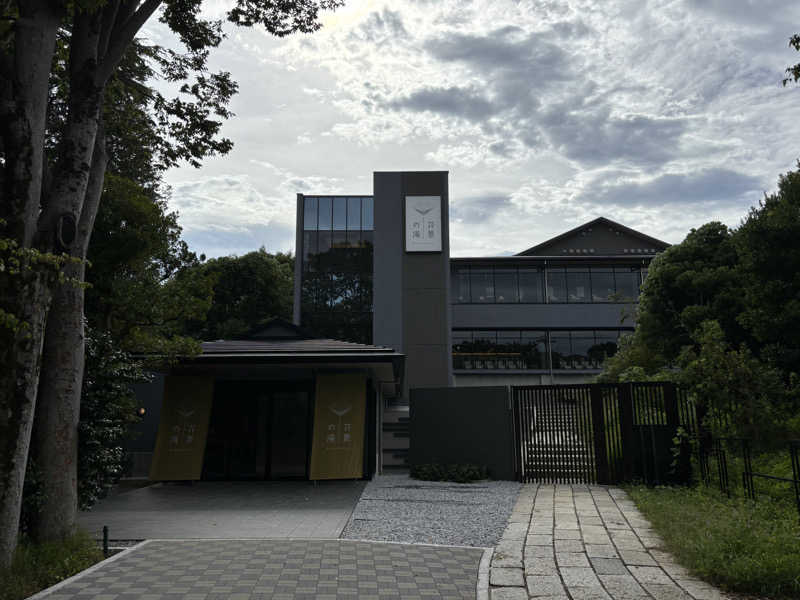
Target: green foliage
x=720 y=313
x=768 y=247
x=465 y=473
x=744 y=396
x=145 y=284
x=249 y=290
x=745 y=547
x=37 y=566
x=108 y=409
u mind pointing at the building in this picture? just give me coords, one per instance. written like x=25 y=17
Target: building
x=380 y=308
x=376 y=269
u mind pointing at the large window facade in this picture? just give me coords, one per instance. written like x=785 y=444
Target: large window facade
x=336 y=292
x=479 y=349
x=495 y=284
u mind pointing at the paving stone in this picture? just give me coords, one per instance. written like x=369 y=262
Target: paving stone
x=572 y=559
x=652 y=542
x=635 y=557
x=540 y=566
x=568 y=545
x=601 y=551
x=623 y=587
x=579 y=577
x=506 y=577
x=609 y=566
x=538 y=552
x=666 y=592
x=544 y=585
x=509 y=593
x=539 y=540
x=567 y=534
x=588 y=593
x=515 y=531
x=650 y=575
x=283 y=567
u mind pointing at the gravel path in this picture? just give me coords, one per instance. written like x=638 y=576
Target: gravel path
x=397 y=508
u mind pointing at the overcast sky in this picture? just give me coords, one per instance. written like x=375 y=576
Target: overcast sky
x=659 y=114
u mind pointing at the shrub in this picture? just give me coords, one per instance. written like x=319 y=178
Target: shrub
x=449 y=472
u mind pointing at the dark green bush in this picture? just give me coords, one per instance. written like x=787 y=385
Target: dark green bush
x=457 y=473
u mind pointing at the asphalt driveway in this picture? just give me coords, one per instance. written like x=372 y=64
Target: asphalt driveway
x=227 y=510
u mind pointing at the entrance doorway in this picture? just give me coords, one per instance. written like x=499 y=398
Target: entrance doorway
x=258 y=430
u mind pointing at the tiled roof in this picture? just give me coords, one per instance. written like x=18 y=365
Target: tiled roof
x=291 y=346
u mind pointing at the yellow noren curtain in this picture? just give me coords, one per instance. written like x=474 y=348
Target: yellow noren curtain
x=337 y=450
x=183 y=428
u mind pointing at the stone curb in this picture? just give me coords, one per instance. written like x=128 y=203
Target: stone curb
x=482 y=589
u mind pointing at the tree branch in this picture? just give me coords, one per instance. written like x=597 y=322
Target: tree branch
x=123 y=36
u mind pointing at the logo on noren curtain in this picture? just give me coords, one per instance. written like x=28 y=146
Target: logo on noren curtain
x=423 y=224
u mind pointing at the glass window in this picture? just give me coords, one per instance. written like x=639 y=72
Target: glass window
x=582 y=341
x=309 y=247
x=556 y=285
x=484 y=341
x=324 y=213
x=367 y=214
x=578 y=285
x=481 y=285
x=627 y=283
x=531 y=287
x=309 y=213
x=602 y=284
x=353 y=214
x=505 y=284
x=340 y=213
x=533 y=346
x=560 y=349
x=461 y=285
x=462 y=341
x=605 y=345
x=324 y=241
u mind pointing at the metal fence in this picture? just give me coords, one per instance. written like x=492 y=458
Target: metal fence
x=601 y=433
x=727 y=463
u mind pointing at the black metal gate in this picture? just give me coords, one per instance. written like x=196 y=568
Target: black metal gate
x=600 y=433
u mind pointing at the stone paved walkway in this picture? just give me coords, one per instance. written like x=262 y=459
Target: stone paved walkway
x=585 y=543
x=279 y=569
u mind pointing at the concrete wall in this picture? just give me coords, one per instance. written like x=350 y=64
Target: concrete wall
x=411 y=293
x=463 y=426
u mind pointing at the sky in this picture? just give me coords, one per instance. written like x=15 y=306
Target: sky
x=659 y=114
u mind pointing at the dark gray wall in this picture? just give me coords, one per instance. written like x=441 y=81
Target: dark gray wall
x=411 y=294
x=298 y=260
x=532 y=316
x=149 y=396
x=463 y=425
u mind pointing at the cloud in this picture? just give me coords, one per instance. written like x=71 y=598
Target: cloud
x=662 y=115
x=452 y=101
x=705 y=187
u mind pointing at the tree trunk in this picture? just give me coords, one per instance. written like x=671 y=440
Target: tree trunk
x=25 y=294
x=55 y=435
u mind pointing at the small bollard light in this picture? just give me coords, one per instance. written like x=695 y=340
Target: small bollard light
x=105 y=541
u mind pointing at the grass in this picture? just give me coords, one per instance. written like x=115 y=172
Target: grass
x=741 y=546
x=37 y=566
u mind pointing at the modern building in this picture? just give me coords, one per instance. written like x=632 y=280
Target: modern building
x=380 y=308
x=376 y=269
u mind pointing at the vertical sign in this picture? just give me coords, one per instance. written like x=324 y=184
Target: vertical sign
x=337 y=451
x=182 y=432
x=423 y=223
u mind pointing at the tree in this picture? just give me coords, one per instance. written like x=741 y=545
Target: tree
x=687 y=284
x=248 y=291
x=50 y=200
x=793 y=72
x=768 y=248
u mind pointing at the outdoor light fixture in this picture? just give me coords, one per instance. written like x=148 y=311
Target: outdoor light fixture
x=141 y=411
